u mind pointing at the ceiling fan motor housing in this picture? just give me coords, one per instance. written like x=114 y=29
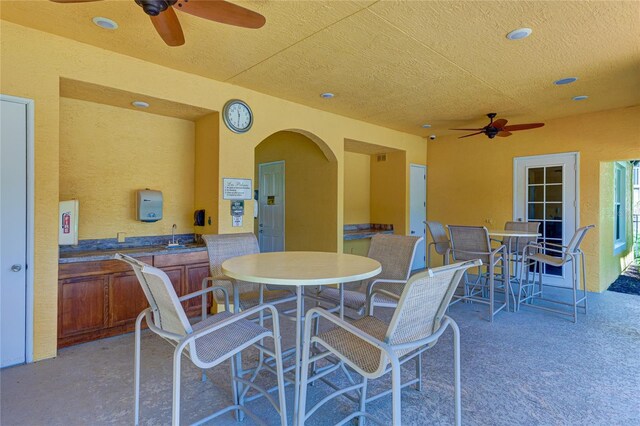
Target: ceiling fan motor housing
x=155 y=7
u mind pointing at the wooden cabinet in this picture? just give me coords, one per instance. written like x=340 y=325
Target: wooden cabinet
x=103 y=298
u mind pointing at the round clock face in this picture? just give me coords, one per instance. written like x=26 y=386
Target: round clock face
x=237 y=116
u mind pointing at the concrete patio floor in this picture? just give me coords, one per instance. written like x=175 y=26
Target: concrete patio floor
x=530 y=367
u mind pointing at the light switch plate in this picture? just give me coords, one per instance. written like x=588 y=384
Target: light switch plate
x=121 y=237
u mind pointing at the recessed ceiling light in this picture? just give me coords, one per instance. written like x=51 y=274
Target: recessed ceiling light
x=105 y=23
x=140 y=104
x=327 y=95
x=580 y=98
x=519 y=34
x=567 y=80
x=426 y=126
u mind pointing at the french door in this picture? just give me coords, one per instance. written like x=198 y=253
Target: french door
x=546 y=191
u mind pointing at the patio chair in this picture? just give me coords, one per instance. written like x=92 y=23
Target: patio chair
x=439 y=241
x=373 y=348
x=395 y=253
x=207 y=343
x=537 y=254
x=225 y=246
x=515 y=247
x=472 y=242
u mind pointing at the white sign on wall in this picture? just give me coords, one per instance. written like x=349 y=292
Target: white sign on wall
x=237 y=189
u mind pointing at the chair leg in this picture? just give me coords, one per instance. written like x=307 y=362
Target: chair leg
x=456 y=374
x=175 y=412
x=136 y=369
x=234 y=386
x=491 y=291
x=584 y=281
x=574 y=283
x=363 y=402
x=280 y=373
x=300 y=409
x=396 y=389
x=419 y=372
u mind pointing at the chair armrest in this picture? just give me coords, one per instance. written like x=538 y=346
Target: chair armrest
x=371 y=297
x=429 y=339
x=235 y=318
x=370 y=286
x=345 y=326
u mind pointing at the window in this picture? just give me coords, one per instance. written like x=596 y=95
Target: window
x=619 y=208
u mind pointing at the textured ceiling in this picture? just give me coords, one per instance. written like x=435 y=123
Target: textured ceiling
x=396 y=64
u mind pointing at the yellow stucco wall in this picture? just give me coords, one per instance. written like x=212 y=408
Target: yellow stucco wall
x=310 y=190
x=389 y=189
x=611 y=263
x=357 y=187
x=206 y=183
x=107 y=153
x=31 y=66
x=471 y=179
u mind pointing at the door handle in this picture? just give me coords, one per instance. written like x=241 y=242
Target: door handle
x=413 y=232
x=16 y=268
x=261 y=225
x=260 y=231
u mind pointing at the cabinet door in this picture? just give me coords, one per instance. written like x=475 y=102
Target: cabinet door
x=195 y=275
x=82 y=305
x=126 y=299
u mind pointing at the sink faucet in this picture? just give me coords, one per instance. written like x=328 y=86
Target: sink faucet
x=173 y=234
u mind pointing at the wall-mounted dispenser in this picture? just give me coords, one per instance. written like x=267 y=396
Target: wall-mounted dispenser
x=149 y=205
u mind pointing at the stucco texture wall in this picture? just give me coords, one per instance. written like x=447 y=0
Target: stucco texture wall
x=470 y=180
x=357 y=188
x=32 y=64
x=107 y=153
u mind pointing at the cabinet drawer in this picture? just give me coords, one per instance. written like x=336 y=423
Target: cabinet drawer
x=190 y=258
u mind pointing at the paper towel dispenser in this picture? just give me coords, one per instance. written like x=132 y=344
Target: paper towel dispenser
x=149 y=205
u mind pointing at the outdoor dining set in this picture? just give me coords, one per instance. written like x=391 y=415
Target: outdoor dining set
x=333 y=301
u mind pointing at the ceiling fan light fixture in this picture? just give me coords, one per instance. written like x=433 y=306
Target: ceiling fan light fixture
x=327 y=95
x=564 y=81
x=426 y=126
x=580 y=98
x=519 y=34
x=140 y=104
x=105 y=23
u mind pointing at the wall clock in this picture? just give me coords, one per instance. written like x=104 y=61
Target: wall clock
x=237 y=116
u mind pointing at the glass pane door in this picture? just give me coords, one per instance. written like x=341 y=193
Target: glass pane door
x=544 y=205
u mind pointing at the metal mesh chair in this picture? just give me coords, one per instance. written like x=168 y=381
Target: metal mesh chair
x=472 y=242
x=372 y=348
x=225 y=246
x=535 y=254
x=439 y=241
x=395 y=253
x=206 y=343
x=515 y=245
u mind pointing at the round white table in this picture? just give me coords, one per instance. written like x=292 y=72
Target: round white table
x=300 y=269
x=517 y=234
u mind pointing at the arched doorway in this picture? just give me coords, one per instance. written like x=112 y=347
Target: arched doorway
x=302 y=203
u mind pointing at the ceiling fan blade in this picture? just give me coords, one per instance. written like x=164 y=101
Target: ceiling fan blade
x=504 y=134
x=222 y=11
x=72 y=1
x=522 y=126
x=168 y=27
x=499 y=124
x=482 y=128
x=472 y=134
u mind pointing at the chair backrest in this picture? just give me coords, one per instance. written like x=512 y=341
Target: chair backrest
x=517 y=244
x=225 y=246
x=470 y=242
x=424 y=301
x=576 y=240
x=168 y=314
x=439 y=236
x=395 y=253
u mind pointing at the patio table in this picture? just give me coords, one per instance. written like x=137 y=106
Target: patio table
x=300 y=269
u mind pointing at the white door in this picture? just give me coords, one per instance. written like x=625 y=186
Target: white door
x=546 y=191
x=418 y=211
x=13 y=232
x=271 y=206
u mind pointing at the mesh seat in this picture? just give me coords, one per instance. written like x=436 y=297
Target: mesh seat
x=226 y=246
x=206 y=343
x=439 y=240
x=373 y=347
x=395 y=253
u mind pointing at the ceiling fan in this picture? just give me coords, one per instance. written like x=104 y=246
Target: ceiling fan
x=166 y=22
x=499 y=128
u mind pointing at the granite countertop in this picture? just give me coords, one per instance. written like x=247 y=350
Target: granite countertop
x=365 y=230
x=105 y=249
